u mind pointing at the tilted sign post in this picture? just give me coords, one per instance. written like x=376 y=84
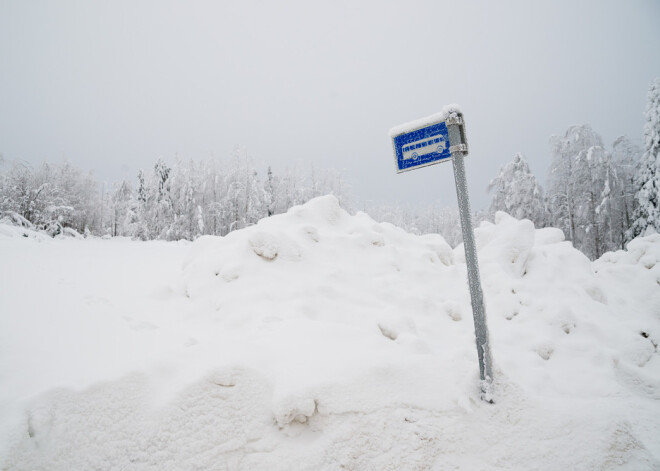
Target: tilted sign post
x=441 y=138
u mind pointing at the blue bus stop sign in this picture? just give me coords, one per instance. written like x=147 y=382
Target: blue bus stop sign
x=419 y=144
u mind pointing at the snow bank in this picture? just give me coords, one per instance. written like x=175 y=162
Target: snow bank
x=14 y=225
x=320 y=340
x=325 y=303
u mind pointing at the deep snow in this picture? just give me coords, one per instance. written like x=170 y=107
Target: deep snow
x=319 y=340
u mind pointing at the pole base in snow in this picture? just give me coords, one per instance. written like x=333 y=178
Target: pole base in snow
x=487 y=391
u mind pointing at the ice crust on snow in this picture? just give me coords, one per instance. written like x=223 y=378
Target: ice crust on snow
x=321 y=340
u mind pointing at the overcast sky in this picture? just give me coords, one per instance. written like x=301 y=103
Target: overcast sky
x=112 y=85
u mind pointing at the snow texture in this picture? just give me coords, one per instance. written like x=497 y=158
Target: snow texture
x=317 y=340
x=423 y=122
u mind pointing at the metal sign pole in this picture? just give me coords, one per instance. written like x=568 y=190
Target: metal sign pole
x=476 y=295
x=428 y=141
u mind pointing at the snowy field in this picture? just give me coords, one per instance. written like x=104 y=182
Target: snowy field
x=317 y=340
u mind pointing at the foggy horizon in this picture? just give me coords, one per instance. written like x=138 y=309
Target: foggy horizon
x=113 y=86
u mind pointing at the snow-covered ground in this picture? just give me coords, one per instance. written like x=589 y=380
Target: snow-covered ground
x=318 y=340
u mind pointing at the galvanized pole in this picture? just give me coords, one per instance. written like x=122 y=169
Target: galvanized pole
x=457 y=135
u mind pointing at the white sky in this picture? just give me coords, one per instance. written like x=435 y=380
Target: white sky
x=112 y=85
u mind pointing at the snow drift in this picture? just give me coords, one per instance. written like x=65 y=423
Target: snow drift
x=320 y=340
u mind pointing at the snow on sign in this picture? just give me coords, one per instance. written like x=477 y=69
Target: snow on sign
x=426 y=141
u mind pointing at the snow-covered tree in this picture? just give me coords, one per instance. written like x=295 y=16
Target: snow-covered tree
x=517 y=192
x=583 y=190
x=181 y=201
x=243 y=202
x=563 y=188
x=161 y=208
x=647 y=182
x=124 y=211
x=3 y=184
x=75 y=199
x=595 y=181
x=142 y=208
x=269 y=192
x=27 y=192
x=52 y=197
x=626 y=156
x=181 y=223
x=292 y=189
x=18 y=193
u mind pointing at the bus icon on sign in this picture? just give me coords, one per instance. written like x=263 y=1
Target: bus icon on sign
x=421 y=145
x=425 y=146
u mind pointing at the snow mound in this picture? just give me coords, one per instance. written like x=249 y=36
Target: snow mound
x=9 y=231
x=320 y=292
x=321 y=340
x=13 y=224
